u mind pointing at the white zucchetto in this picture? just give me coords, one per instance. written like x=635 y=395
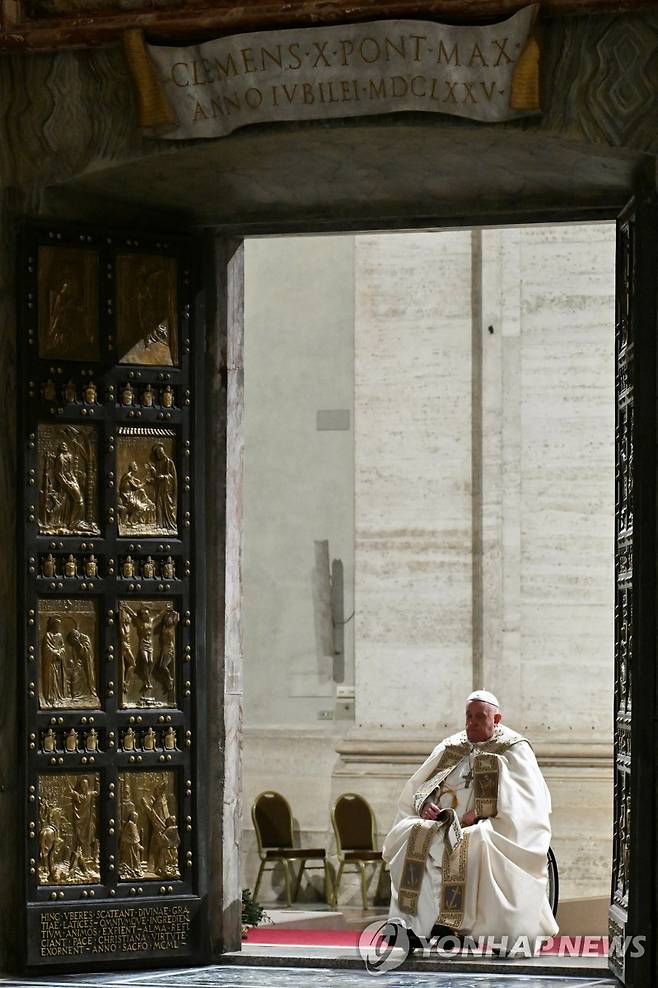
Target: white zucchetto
x=485 y=696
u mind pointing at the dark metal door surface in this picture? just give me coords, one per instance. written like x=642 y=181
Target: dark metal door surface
x=111 y=589
x=632 y=908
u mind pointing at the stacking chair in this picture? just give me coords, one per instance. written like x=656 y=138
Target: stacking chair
x=272 y=818
x=354 y=826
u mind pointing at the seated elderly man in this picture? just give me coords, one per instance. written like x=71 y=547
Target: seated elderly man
x=484 y=875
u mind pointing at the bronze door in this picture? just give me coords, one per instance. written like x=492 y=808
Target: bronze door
x=111 y=596
x=634 y=834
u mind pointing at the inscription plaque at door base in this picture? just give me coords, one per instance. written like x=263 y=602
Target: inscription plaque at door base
x=150 y=930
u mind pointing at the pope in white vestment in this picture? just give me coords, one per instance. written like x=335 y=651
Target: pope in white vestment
x=493 y=882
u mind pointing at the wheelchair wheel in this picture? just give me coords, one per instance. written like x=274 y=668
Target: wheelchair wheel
x=553 y=884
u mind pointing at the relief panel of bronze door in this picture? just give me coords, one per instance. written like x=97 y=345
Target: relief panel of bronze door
x=110 y=590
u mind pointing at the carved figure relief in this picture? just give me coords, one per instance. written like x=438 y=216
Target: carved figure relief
x=91 y=566
x=149 y=841
x=625 y=468
x=147 y=634
x=68 y=474
x=48 y=565
x=68 y=640
x=68 y=842
x=90 y=393
x=49 y=390
x=70 y=393
x=624 y=646
x=147 y=322
x=49 y=740
x=147 y=568
x=68 y=304
x=147 y=500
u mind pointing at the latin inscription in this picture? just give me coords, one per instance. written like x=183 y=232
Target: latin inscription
x=354 y=70
x=120 y=930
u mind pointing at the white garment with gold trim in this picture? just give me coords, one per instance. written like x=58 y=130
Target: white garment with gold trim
x=496 y=882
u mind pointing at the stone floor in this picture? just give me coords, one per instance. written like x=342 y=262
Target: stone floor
x=224 y=976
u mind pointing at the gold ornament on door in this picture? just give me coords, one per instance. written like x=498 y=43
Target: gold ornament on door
x=147 y=321
x=68 y=304
x=69 y=851
x=150 y=839
x=68 y=654
x=147 y=636
x=147 y=500
x=67 y=469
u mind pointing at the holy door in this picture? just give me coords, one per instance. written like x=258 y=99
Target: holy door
x=111 y=598
x=633 y=868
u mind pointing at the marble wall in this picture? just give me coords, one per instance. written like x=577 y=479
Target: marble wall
x=299 y=358
x=413 y=549
x=482 y=477
x=548 y=475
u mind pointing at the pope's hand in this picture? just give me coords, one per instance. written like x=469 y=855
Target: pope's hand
x=430 y=811
x=468 y=818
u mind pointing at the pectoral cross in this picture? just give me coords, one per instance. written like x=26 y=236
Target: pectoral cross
x=467 y=776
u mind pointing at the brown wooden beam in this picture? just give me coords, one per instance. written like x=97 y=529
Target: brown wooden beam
x=196 y=22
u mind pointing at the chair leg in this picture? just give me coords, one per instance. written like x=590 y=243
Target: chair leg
x=286 y=875
x=298 y=881
x=260 y=875
x=364 y=883
x=329 y=892
x=338 y=878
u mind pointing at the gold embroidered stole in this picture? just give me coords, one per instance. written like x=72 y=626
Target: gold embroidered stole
x=486 y=773
x=452 y=756
x=453 y=885
x=423 y=832
x=418 y=845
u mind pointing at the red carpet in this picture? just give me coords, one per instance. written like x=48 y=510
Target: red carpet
x=305 y=938
x=285 y=936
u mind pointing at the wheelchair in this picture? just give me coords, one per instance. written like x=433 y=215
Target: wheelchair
x=553 y=883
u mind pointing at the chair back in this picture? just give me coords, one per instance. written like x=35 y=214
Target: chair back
x=272 y=818
x=354 y=823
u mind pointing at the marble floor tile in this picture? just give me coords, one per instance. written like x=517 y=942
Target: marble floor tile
x=227 y=976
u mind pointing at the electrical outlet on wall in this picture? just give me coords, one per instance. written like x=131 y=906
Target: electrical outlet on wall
x=325 y=715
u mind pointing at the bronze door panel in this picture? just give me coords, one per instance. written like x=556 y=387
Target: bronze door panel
x=634 y=832
x=111 y=593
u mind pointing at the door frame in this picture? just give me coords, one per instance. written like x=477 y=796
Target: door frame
x=225 y=409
